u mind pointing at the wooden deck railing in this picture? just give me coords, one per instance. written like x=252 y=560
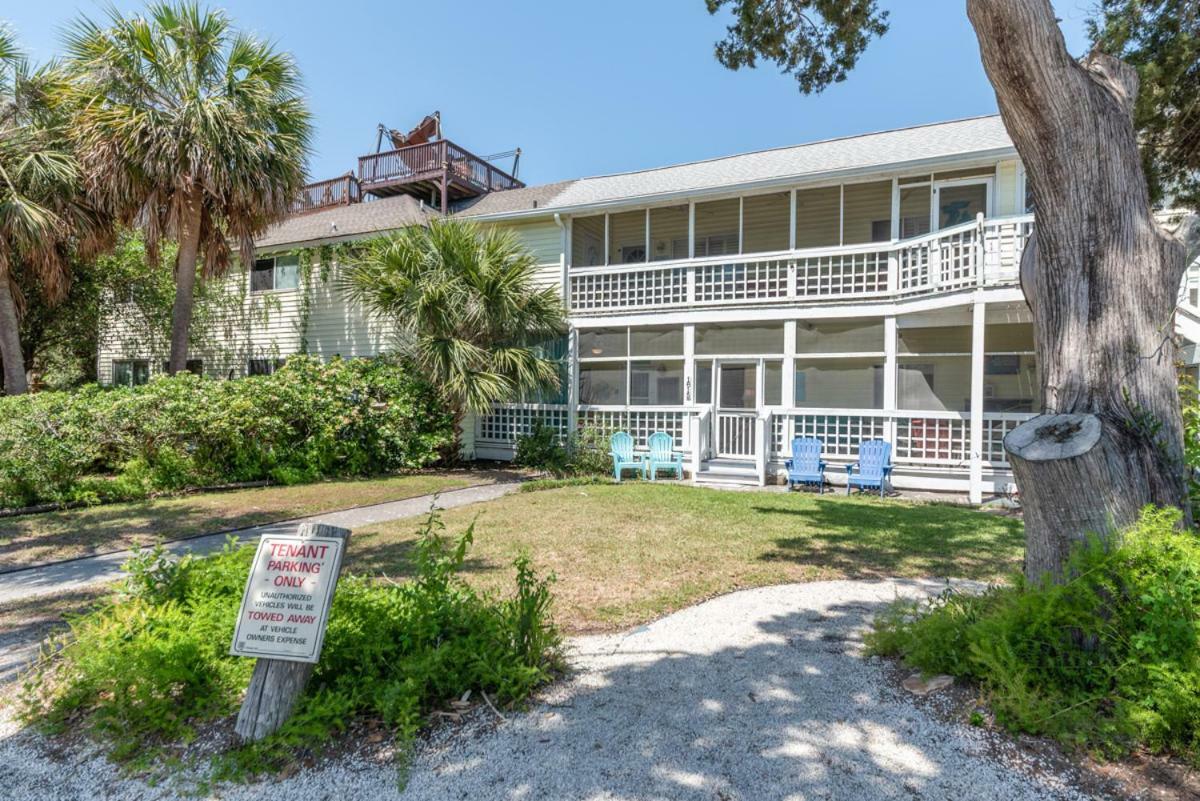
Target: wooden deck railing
x=339 y=191
x=425 y=162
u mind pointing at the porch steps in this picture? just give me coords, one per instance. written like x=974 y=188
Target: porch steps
x=727 y=473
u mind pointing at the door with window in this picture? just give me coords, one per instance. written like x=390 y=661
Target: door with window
x=736 y=408
x=961 y=201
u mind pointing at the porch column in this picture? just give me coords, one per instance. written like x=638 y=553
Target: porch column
x=890 y=376
x=978 y=326
x=573 y=382
x=690 y=438
x=788 y=395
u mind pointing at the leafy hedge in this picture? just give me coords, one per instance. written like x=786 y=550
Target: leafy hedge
x=307 y=420
x=152 y=666
x=1107 y=660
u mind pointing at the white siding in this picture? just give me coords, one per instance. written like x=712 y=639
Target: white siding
x=1008 y=200
x=544 y=239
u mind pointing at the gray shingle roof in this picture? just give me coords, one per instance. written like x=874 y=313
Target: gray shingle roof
x=341 y=222
x=874 y=151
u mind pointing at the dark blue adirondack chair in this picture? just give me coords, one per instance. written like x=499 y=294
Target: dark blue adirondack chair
x=663 y=455
x=621 y=449
x=874 y=465
x=806 y=465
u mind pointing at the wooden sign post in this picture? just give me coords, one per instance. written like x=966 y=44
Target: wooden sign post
x=282 y=620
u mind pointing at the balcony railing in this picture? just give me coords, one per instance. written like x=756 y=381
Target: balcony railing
x=425 y=162
x=984 y=252
x=339 y=191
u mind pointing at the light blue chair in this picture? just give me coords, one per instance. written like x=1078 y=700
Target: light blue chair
x=874 y=465
x=662 y=455
x=621 y=449
x=806 y=465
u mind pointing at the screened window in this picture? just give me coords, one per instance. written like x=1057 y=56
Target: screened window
x=130 y=372
x=603 y=343
x=669 y=233
x=656 y=341
x=839 y=384
x=935 y=339
x=937 y=384
x=829 y=336
x=765 y=222
x=627 y=237
x=601 y=384
x=704 y=381
x=657 y=383
x=914 y=211
x=587 y=241
x=717 y=340
x=717 y=228
x=819 y=217
x=278 y=272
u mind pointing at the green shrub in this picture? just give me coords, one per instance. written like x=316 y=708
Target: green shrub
x=542 y=449
x=307 y=420
x=589 y=453
x=1108 y=660
x=152 y=665
x=539 y=484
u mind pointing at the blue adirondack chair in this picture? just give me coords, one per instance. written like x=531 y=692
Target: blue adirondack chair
x=874 y=465
x=621 y=449
x=662 y=455
x=806 y=465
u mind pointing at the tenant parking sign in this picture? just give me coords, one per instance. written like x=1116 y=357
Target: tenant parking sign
x=286 y=603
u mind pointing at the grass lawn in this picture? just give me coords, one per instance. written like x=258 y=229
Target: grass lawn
x=624 y=554
x=51 y=536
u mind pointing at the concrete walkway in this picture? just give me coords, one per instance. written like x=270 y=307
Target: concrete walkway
x=79 y=573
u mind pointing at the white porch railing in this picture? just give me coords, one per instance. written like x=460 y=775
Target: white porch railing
x=979 y=253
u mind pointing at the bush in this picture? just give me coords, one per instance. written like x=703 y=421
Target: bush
x=307 y=420
x=152 y=665
x=585 y=454
x=542 y=449
x=1108 y=660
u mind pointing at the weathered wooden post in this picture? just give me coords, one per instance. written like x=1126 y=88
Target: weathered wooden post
x=285 y=609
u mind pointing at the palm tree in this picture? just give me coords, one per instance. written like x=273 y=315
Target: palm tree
x=466 y=308
x=187 y=129
x=44 y=218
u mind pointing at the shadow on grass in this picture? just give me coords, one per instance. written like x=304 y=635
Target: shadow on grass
x=862 y=538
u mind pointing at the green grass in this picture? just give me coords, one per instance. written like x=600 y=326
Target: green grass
x=34 y=539
x=628 y=553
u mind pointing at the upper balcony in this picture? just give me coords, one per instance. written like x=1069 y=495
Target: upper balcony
x=439 y=168
x=340 y=191
x=983 y=252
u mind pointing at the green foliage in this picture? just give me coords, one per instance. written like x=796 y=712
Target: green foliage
x=816 y=41
x=1108 y=660
x=538 y=484
x=1189 y=398
x=307 y=420
x=542 y=448
x=1161 y=39
x=585 y=454
x=467 y=307
x=152 y=666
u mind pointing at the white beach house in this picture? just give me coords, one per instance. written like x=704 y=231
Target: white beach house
x=856 y=288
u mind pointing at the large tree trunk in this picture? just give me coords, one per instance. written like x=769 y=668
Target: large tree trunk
x=1101 y=279
x=15 y=382
x=185 y=280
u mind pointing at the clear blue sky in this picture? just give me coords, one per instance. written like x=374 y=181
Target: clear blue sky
x=584 y=88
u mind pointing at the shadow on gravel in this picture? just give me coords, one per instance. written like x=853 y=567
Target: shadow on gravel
x=730 y=701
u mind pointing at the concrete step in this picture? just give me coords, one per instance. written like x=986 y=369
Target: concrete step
x=727 y=472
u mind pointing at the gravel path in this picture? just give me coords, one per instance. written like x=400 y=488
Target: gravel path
x=77 y=573
x=755 y=696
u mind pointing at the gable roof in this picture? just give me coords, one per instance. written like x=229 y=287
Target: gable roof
x=342 y=222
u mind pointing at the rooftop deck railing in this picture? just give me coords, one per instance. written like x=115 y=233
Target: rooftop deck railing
x=427 y=161
x=979 y=253
x=339 y=191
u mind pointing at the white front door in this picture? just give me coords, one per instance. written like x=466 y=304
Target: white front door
x=737 y=405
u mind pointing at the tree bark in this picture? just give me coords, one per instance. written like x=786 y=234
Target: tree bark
x=1101 y=280
x=15 y=380
x=186 y=260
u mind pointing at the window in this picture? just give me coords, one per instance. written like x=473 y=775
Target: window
x=276 y=272
x=130 y=372
x=194 y=366
x=603 y=343
x=657 y=383
x=719 y=340
x=839 y=336
x=601 y=384
x=853 y=383
x=263 y=366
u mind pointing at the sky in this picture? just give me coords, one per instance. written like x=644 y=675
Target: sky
x=583 y=88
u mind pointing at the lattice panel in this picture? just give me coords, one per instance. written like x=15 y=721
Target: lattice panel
x=914 y=267
x=638 y=289
x=640 y=425
x=932 y=440
x=840 y=434
x=958 y=259
x=994 y=432
x=507 y=424
x=844 y=274
x=755 y=280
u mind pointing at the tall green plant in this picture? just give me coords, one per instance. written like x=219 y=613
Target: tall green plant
x=43 y=212
x=466 y=307
x=188 y=130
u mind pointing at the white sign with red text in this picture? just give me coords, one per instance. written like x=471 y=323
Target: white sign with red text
x=286 y=603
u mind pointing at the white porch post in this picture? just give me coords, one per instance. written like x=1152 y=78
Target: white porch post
x=890 y=376
x=978 y=326
x=573 y=382
x=691 y=440
x=787 y=397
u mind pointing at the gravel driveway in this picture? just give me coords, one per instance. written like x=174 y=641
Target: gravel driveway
x=754 y=696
